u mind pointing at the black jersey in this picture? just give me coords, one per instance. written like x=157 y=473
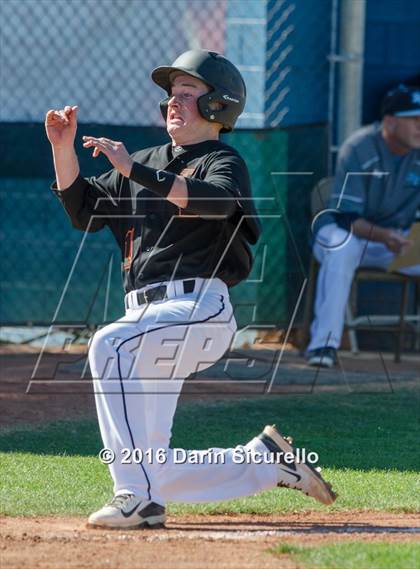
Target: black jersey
x=158 y=240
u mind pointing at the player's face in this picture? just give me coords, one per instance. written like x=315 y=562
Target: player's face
x=183 y=120
x=406 y=130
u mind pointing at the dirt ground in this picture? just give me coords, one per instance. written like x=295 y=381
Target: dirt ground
x=58 y=385
x=187 y=542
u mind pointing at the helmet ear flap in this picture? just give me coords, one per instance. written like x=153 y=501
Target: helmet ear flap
x=206 y=108
x=212 y=108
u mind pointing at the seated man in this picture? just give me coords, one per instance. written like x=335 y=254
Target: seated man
x=375 y=195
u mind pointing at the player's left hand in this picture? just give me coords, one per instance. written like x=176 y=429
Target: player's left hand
x=115 y=151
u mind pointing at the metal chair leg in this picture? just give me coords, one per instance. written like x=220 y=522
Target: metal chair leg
x=417 y=313
x=400 y=332
x=309 y=301
x=354 y=346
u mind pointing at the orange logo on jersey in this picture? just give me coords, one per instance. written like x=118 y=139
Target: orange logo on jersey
x=187 y=172
x=128 y=249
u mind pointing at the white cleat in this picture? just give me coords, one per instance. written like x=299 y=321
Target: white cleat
x=297 y=475
x=128 y=511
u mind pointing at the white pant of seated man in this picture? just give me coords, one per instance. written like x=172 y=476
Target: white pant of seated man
x=340 y=256
x=138 y=367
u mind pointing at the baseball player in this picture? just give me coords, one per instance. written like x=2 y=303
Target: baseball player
x=183 y=217
x=376 y=190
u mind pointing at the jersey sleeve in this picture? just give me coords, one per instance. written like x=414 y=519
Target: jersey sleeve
x=219 y=192
x=89 y=200
x=348 y=195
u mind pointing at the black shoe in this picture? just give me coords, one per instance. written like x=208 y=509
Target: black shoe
x=294 y=474
x=322 y=357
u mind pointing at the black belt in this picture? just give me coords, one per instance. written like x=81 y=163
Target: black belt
x=160 y=292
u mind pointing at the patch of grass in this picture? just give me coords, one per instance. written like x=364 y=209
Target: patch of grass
x=363 y=441
x=358 y=431
x=354 y=555
x=42 y=485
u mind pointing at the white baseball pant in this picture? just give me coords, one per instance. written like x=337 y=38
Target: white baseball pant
x=138 y=366
x=340 y=255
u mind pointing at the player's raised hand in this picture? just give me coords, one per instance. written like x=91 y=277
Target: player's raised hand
x=115 y=151
x=61 y=126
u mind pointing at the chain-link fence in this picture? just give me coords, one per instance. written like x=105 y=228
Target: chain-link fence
x=98 y=54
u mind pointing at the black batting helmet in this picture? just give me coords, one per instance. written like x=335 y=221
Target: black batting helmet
x=226 y=84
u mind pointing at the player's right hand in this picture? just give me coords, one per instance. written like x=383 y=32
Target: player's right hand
x=61 y=126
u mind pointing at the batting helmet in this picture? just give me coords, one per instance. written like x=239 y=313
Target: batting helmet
x=226 y=83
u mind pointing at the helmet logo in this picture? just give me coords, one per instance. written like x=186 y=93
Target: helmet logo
x=227 y=98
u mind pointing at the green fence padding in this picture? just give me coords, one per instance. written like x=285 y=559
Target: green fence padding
x=261 y=300
x=39 y=252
